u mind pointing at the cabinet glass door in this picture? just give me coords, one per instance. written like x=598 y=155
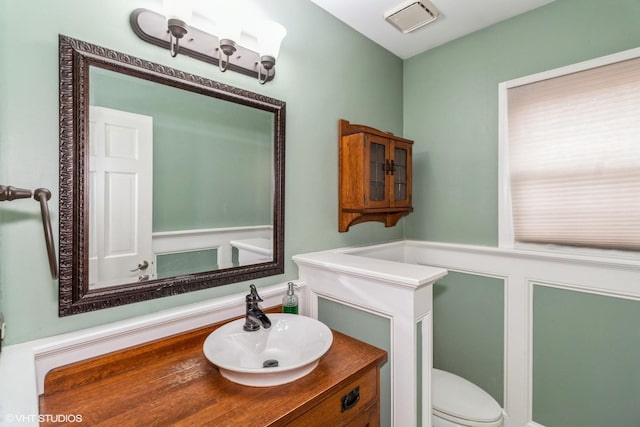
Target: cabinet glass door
x=377 y=172
x=377 y=179
x=401 y=174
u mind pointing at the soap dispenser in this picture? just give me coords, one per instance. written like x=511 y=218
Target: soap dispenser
x=290 y=301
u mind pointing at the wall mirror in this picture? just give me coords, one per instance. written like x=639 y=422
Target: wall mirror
x=169 y=182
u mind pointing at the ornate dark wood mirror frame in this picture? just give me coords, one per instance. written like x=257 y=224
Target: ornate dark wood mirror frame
x=75 y=58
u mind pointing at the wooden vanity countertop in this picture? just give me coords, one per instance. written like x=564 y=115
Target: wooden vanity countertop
x=170 y=382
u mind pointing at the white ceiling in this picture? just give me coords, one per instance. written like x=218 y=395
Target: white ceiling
x=457 y=18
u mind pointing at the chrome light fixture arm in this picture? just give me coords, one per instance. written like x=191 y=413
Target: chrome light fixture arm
x=267 y=62
x=228 y=48
x=177 y=30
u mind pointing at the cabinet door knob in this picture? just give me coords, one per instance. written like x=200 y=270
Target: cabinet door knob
x=390 y=167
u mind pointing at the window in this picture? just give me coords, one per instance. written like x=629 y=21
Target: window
x=570 y=156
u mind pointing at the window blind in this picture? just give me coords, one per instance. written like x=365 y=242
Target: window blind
x=574 y=158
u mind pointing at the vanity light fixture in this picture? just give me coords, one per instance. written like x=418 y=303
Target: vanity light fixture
x=173 y=31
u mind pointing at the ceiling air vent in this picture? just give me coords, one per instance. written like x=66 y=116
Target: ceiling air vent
x=412 y=15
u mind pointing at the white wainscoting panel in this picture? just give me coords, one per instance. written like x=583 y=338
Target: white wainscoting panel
x=521 y=269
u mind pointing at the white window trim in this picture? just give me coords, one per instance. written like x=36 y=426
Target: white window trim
x=505 y=220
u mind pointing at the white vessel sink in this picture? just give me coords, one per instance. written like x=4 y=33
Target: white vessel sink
x=294 y=343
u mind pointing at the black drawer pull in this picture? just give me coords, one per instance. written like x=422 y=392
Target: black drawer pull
x=350 y=399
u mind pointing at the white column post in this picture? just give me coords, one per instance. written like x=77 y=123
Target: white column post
x=400 y=292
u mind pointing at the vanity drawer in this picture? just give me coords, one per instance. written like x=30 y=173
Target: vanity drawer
x=355 y=404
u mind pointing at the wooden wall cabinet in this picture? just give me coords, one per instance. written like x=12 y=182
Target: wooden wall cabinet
x=374 y=176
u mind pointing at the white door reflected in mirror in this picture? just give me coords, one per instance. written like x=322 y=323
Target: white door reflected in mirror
x=121 y=197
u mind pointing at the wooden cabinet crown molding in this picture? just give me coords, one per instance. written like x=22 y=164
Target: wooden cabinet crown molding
x=375 y=176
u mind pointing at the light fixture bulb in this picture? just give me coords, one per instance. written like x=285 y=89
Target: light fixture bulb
x=270 y=35
x=180 y=10
x=228 y=30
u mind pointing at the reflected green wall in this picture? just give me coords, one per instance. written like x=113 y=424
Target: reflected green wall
x=177 y=264
x=205 y=152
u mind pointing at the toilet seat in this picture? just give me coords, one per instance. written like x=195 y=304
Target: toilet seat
x=460 y=401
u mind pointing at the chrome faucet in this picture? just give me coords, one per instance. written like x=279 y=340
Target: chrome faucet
x=255 y=317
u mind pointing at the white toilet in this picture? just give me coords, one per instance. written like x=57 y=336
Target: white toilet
x=460 y=403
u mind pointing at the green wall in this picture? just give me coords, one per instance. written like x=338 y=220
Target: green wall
x=377 y=332
x=586 y=360
x=451 y=106
x=360 y=82
x=468 y=336
x=451 y=111
x=445 y=99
